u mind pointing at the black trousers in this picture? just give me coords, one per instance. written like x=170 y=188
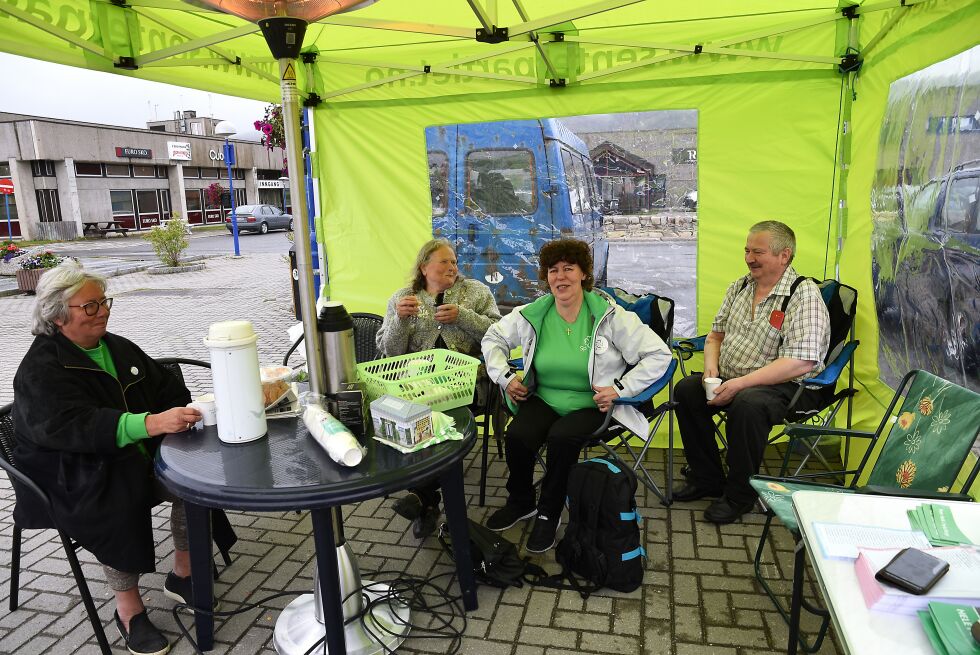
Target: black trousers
x=750 y=417
x=537 y=424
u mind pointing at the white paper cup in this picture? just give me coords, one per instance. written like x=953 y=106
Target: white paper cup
x=209 y=411
x=710 y=385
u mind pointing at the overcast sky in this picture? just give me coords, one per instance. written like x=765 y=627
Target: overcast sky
x=82 y=95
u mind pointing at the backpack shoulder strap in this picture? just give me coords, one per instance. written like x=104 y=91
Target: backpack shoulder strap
x=797 y=282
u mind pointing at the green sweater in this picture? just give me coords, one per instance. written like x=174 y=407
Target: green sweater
x=131 y=427
x=561 y=361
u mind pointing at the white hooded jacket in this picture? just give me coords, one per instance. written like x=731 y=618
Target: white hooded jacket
x=619 y=340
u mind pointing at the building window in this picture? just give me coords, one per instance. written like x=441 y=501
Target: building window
x=116 y=170
x=266 y=174
x=439 y=182
x=48 y=206
x=89 y=169
x=191 y=172
x=165 y=202
x=148 y=202
x=42 y=168
x=197 y=128
x=122 y=202
x=239 y=173
x=209 y=173
x=144 y=170
x=4 y=169
x=161 y=172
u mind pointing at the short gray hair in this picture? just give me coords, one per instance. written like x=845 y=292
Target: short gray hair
x=430 y=246
x=781 y=237
x=54 y=290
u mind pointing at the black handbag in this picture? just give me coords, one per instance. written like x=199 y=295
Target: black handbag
x=495 y=558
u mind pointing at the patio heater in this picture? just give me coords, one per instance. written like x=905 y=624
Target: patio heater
x=226 y=129
x=301 y=624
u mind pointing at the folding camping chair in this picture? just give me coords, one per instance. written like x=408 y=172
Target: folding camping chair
x=841 y=301
x=926 y=444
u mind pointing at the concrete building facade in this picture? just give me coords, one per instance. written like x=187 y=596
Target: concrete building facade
x=66 y=174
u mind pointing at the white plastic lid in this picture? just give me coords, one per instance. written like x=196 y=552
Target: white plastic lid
x=228 y=334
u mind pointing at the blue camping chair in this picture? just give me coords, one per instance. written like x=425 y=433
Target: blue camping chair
x=841 y=301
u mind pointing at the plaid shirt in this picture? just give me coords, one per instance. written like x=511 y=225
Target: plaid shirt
x=750 y=344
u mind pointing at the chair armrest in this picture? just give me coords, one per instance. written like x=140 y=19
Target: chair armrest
x=829 y=375
x=687 y=346
x=650 y=391
x=807 y=430
x=16 y=475
x=516 y=364
x=925 y=494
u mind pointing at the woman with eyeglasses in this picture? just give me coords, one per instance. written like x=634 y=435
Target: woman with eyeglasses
x=88 y=406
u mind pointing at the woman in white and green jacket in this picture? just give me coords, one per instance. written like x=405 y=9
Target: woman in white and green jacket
x=577 y=345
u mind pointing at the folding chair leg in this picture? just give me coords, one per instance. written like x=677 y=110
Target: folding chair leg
x=93 y=615
x=14 y=568
x=483 y=469
x=799 y=564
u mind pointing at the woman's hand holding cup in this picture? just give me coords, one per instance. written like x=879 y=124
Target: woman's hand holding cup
x=176 y=419
x=407 y=307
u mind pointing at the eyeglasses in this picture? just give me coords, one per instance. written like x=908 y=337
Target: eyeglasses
x=92 y=308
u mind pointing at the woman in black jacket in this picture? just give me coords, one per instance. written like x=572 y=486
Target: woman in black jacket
x=88 y=406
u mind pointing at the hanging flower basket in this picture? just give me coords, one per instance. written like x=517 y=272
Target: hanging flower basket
x=27 y=279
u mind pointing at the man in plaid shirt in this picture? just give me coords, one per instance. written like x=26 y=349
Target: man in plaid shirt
x=760 y=354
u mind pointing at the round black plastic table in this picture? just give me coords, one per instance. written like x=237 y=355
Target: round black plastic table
x=287 y=470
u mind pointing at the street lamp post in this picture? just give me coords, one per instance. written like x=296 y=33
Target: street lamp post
x=226 y=129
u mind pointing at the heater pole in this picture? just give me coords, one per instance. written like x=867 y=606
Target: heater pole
x=301 y=222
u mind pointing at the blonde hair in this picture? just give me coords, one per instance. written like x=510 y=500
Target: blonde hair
x=54 y=290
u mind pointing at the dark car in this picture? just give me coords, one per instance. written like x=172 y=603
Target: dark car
x=259 y=218
x=927 y=280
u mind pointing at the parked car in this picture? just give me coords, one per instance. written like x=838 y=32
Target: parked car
x=926 y=273
x=259 y=218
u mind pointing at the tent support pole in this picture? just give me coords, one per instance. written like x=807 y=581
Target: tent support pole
x=194 y=44
x=39 y=23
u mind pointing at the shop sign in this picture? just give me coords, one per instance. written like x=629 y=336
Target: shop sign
x=216 y=155
x=134 y=153
x=685 y=155
x=6 y=187
x=179 y=150
x=270 y=184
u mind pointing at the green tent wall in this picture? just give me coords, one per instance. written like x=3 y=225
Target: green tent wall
x=771 y=126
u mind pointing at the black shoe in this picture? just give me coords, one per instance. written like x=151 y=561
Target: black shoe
x=180 y=590
x=544 y=534
x=694 y=491
x=426 y=524
x=508 y=516
x=143 y=638
x=723 y=511
x=408 y=507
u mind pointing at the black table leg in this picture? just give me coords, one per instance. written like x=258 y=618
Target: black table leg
x=451 y=481
x=202 y=583
x=799 y=566
x=329 y=575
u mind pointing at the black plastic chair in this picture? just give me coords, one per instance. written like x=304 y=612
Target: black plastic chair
x=23 y=484
x=366 y=326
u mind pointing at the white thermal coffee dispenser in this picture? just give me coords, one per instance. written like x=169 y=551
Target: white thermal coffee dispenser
x=237 y=387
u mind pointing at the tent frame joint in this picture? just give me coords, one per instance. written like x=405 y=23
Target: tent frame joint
x=850 y=12
x=120 y=3
x=427 y=68
x=557 y=84
x=126 y=63
x=312 y=100
x=309 y=57
x=698 y=48
x=558 y=36
x=851 y=62
x=493 y=35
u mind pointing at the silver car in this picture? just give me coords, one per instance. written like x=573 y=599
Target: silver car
x=259 y=218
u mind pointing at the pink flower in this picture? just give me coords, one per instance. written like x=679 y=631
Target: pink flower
x=258 y=125
x=267 y=129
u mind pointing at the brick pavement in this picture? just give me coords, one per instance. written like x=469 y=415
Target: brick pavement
x=699 y=596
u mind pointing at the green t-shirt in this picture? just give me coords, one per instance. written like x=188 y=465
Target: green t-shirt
x=131 y=427
x=561 y=361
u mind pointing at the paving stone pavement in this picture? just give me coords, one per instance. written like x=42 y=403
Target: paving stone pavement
x=699 y=595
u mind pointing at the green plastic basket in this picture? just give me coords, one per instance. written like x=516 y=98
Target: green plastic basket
x=441 y=379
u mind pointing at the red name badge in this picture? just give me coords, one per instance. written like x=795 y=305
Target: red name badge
x=776 y=319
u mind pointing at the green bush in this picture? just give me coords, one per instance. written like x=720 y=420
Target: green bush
x=170 y=241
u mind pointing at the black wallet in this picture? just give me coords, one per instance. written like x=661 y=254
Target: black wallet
x=913 y=571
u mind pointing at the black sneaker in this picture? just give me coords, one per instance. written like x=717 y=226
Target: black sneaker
x=544 y=534
x=180 y=590
x=408 y=507
x=508 y=516
x=426 y=524
x=143 y=638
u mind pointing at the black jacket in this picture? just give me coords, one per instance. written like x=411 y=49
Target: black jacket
x=66 y=410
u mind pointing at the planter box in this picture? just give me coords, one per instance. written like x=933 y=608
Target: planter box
x=27 y=280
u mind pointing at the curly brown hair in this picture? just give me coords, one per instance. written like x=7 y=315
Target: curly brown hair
x=571 y=251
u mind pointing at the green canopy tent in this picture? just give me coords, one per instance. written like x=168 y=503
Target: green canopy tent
x=790 y=98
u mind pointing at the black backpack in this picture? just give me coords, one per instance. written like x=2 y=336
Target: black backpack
x=602 y=540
